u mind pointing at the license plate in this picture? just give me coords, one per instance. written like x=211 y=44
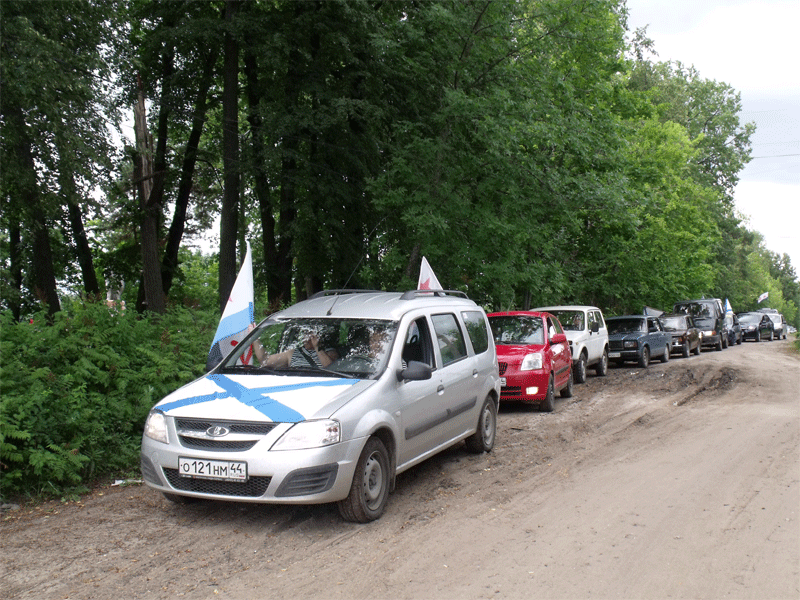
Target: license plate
x=502 y=382
x=613 y=355
x=225 y=470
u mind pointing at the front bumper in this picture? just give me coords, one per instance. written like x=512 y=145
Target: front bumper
x=527 y=386
x=310 y=476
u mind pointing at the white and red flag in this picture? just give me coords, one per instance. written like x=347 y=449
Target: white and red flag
x=237 y=317
x=763 y=297
x=427 y=279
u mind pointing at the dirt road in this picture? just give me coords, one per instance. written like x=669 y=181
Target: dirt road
x=678 y=481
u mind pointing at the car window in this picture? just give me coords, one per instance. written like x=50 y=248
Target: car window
x=417 y=346
x=449 y=337
x=572 y=320
x=554 y=326
x=476 y=330
x=517 y=330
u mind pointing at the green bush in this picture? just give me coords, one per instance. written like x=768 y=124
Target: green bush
x=74 y=394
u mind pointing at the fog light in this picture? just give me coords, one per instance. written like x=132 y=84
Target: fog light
x=532 y=391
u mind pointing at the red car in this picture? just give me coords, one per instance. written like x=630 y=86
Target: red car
x=534 y=357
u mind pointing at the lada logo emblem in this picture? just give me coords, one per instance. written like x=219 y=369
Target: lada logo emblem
x=217 y=431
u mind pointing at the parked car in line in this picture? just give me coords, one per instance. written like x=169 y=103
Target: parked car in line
x=328 y=401
x=586 y=331
x=709 y=317
x=637 y=338
x=533 y=356
x=686 y=338
x=756 y=326
x=779 y=322
x=734 y=329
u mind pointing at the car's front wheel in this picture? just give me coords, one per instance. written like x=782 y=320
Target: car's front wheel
x=644 y=358
x=549 y=402
x=686 y=352
x=580 y=369
x=369 y=490
x=483 y=438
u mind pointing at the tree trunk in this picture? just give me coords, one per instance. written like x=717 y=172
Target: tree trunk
x=170 y=261
x=229 y=220
x=44 y=279
x=150 y=212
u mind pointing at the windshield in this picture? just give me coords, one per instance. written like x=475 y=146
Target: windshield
x=517 y=330
x=749 y=318
x=571 y=320
x=625 y=325
x=696 y=309
x=775 y=318
x=673 y=323
x=318 y=346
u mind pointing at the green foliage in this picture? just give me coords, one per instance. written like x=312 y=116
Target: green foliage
x=74 y=394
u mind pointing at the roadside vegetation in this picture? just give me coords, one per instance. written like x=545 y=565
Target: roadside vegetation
x=535 y=153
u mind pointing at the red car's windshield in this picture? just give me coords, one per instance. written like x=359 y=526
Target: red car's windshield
x=517 y=329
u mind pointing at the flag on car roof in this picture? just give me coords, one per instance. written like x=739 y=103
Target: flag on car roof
x=763 y=296
x=728 y=307
x=427 y=279
x=239 y=313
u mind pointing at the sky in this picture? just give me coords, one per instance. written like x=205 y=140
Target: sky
x=754 y=48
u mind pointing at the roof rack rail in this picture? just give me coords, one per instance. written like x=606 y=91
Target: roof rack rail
x=341 y=292
x=411 y=294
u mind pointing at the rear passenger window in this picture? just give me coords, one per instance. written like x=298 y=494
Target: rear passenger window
x=476 y=330
x=449 y=337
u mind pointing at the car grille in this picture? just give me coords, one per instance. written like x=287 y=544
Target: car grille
x=503 y=366
x=615 y=344
x=192 y=433
x=511 y=392
x=254 y=487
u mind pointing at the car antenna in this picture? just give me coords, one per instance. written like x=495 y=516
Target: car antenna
x=358 y=264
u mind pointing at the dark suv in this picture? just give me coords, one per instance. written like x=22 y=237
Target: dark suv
x=709 y=317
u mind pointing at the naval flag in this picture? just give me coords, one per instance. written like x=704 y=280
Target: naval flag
x=237 y=317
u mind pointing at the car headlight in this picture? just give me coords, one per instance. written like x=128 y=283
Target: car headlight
x=531 y=362
x=310 y=434
x=156 y=427
x=630 y=344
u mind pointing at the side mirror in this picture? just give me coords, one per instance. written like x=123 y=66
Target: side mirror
x=415 y=371
x=558 y=338
x=595 y=327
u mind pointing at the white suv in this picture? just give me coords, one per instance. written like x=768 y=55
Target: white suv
x=588 y=337
x=328 y=400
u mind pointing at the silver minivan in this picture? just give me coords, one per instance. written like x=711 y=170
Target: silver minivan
x=328 y=400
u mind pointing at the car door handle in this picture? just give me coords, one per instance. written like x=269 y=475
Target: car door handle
x=440 y=390
x=475 y=373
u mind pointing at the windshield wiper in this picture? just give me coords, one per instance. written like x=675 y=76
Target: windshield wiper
x=314 y=371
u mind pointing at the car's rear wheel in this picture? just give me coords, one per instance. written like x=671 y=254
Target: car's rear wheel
x=602 y=367
x=369 y=490
x=483 y=438
x=566 y=392
x=580 y=369
x=549 y=402
x=644 y=359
